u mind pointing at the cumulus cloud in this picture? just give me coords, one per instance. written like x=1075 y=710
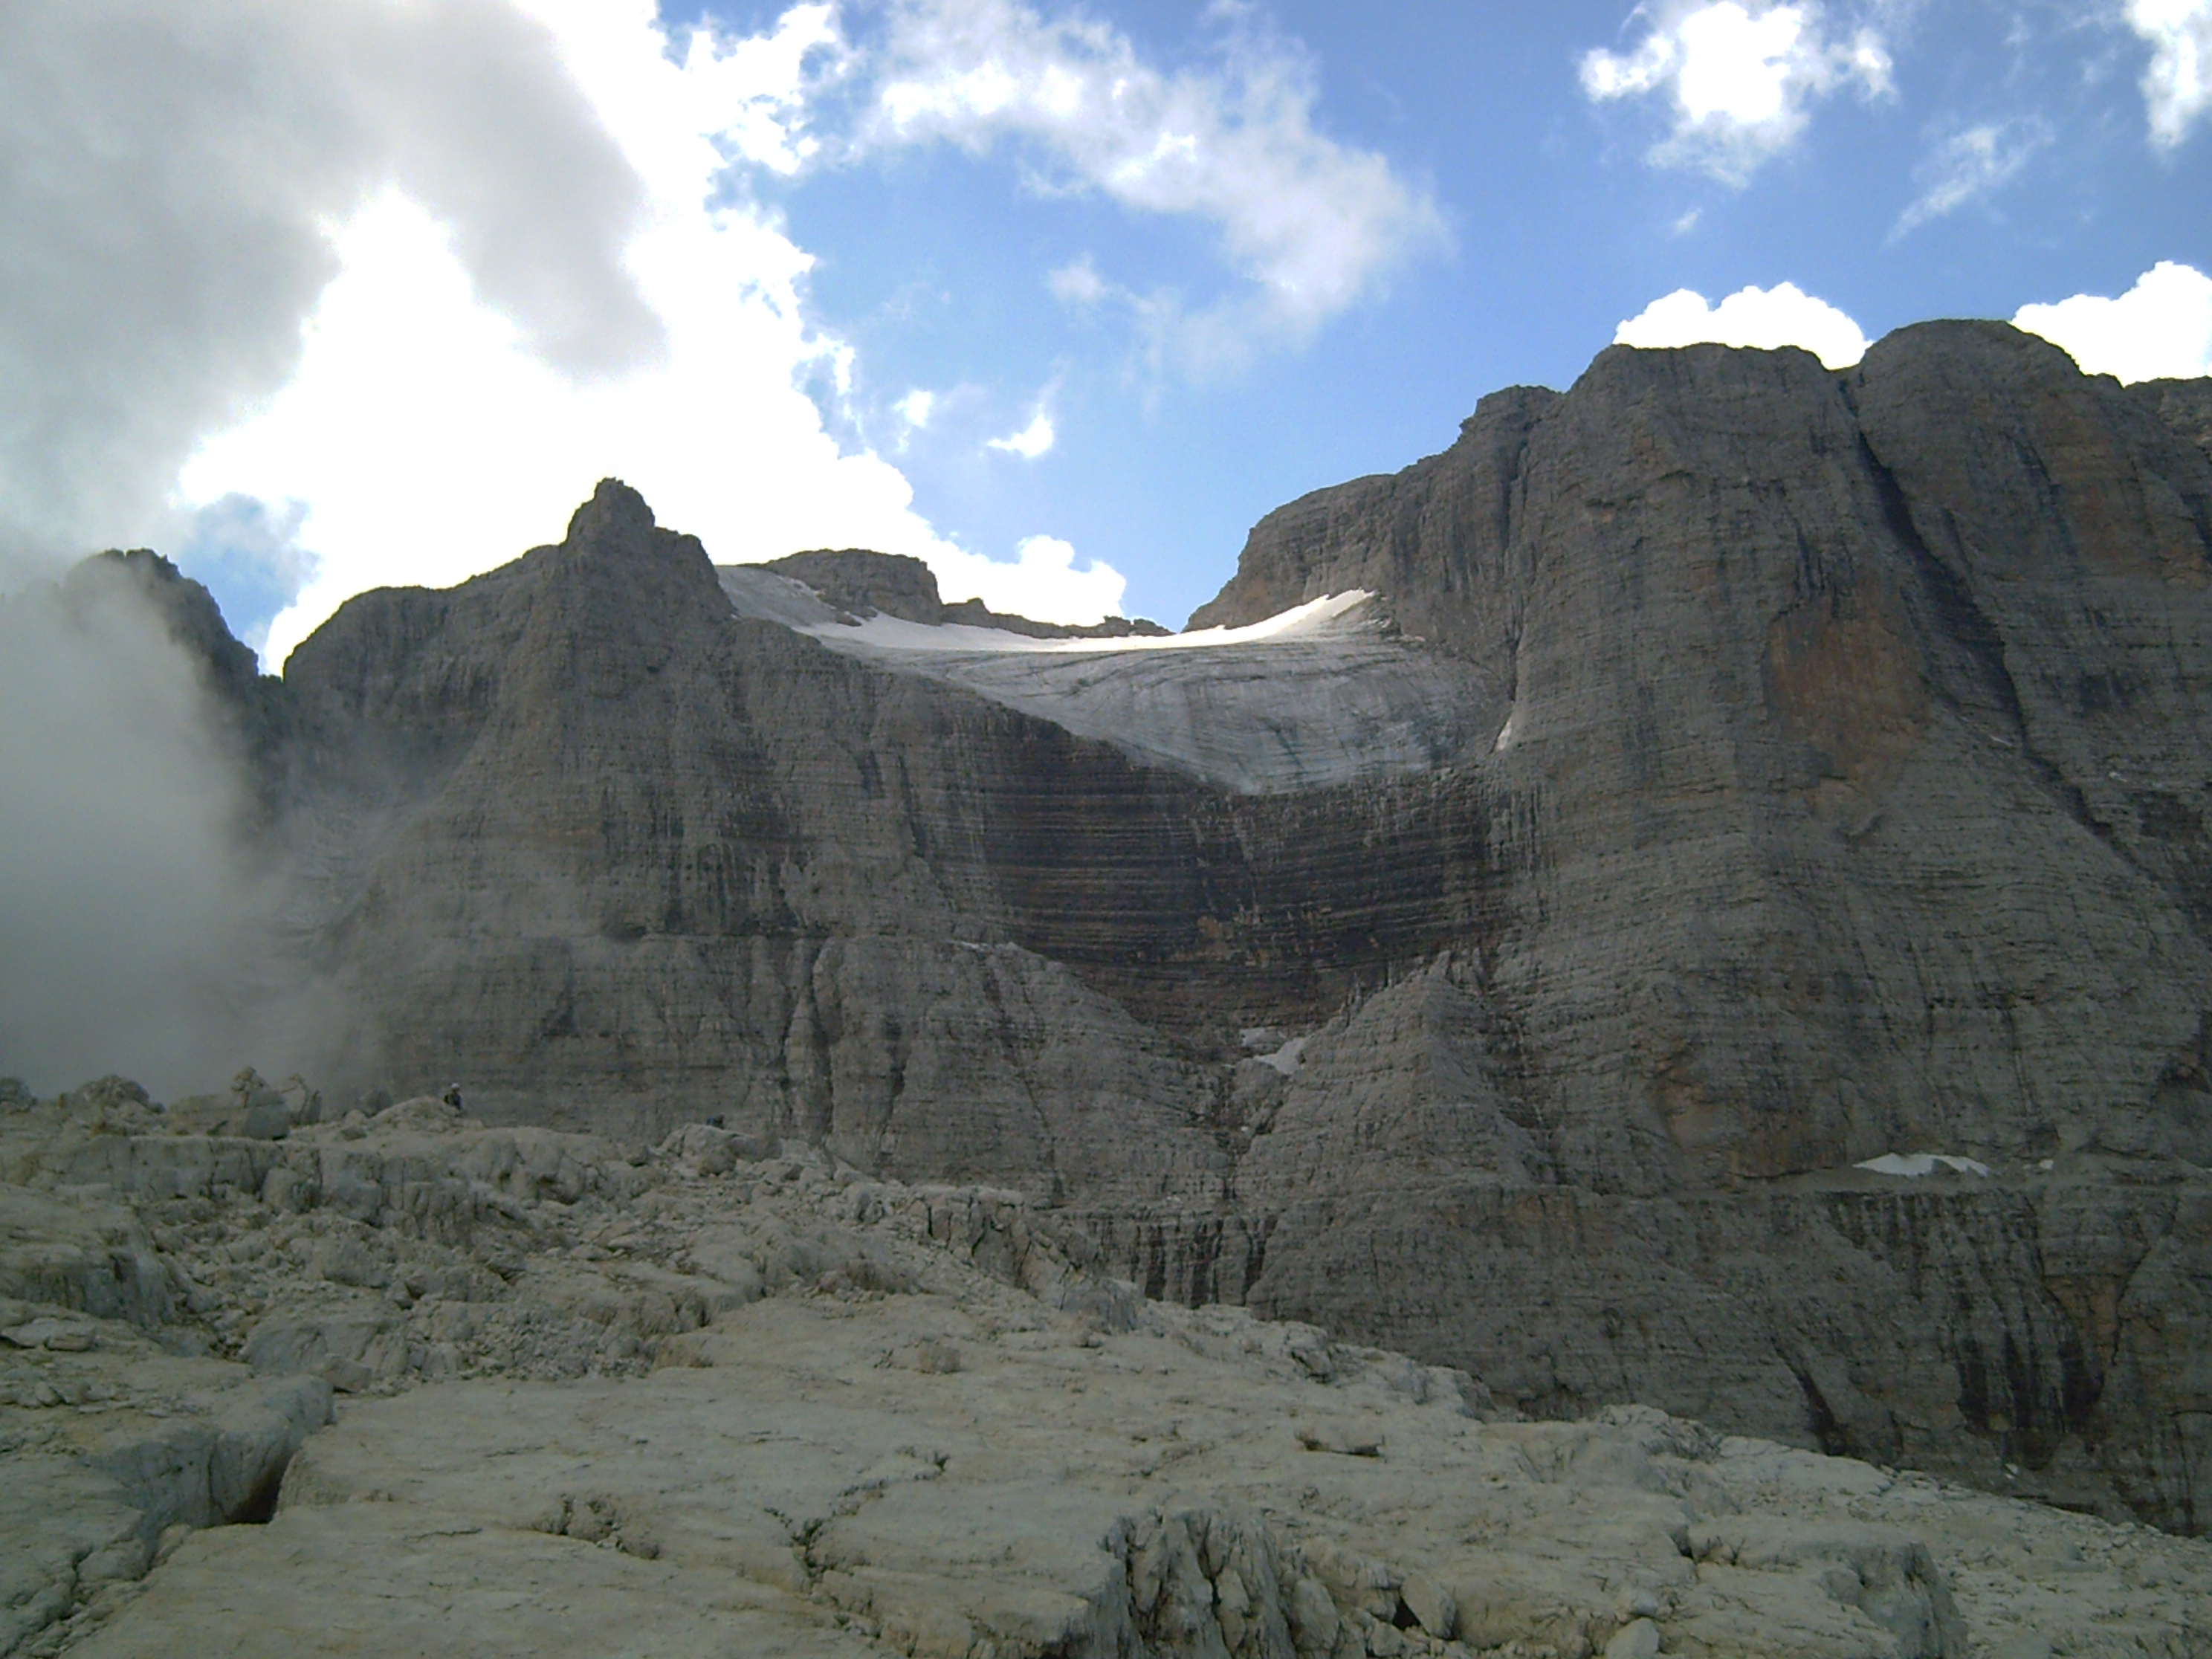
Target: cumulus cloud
x=2177 y=86
x=1767 y=318
x=1043 y=570
x=1970 y=165
x=165 y=174
x=397 y=282
x=2160 y=327
x=1739 y=78
x=1312 y=225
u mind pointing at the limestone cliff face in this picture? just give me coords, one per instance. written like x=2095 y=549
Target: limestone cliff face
x=1850 y=793
x=1851 y=801
x=650 y=859
x=1840 y=791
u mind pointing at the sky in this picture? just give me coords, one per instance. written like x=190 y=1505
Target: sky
x=319 y=297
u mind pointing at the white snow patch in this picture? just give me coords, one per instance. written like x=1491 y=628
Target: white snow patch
x=1286 y=1059
x=1507 y=733
x=1915 y=1164
x=1313 y=620
x=767 y=597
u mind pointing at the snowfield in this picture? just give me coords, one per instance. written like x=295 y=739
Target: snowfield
x=1322 y=694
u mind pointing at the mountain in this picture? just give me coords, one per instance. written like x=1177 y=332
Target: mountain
x=1501 y=929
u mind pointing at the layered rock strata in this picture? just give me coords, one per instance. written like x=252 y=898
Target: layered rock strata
x=1812 y=770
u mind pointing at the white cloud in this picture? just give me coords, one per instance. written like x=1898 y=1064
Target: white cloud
x=2160 y=327
x=1767 y=318
x=248 y=556
x=164 y=172
x=1739 y=78
x=1971 y=164
x=428 y=441
x=1044 y=574
x=1313 y=226
x=915 y=408
x=1032 y=442
x=2177 y=87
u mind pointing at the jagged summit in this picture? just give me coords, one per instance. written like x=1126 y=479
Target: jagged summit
x=194 y=620
x=615 y=513
x=863 y=583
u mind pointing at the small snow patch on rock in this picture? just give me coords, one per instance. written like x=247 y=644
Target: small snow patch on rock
x=1913 y=1165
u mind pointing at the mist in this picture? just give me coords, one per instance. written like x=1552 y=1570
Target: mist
x=137 y=936
x=170 y=180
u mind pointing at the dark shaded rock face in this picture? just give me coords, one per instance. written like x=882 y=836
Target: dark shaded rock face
x=855 y=580
x=1848 y=798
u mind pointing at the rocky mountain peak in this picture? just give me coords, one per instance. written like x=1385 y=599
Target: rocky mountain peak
x=615 y=513
x=186 y=609
x=860 y=583
x=620 y=583
x=865 y=583
x=1521 y=406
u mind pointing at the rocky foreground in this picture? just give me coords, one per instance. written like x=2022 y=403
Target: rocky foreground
x=410 y=1384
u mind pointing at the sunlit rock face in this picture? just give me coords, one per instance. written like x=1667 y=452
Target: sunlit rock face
x=1680 y=793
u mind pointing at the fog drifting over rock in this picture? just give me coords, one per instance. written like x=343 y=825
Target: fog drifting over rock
x=125 y=903
x=167 y=179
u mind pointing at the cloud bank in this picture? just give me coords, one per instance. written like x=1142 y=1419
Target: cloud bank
x=1766 y=318
x=325 y=299
x=165 y=173
x=1739 y=79
x=2159 y=328
x=426 y=438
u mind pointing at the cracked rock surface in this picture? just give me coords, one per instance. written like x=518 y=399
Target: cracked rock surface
x=713 y=1397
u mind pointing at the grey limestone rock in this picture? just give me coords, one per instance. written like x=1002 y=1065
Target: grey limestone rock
x=853 y=582
x=722 y=1395
x=1817 y=773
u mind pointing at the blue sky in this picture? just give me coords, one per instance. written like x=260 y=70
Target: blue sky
x=1060 y=299
x=1560 y=225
